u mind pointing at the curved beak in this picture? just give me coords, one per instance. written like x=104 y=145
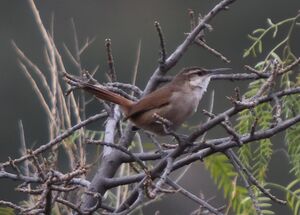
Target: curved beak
x=218 y=71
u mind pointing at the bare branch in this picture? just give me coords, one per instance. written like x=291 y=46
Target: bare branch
x=229 y=153
x=182 y=48
x=122 y=149
x=57 y=140
x=211 y=50
x=193 y=197
x=110 y=61
x=163 y=54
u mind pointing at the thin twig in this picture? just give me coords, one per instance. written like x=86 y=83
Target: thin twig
x=34 y=68
x=11 y=205
x=289 y=67
x=110 y=61
x=58 y=139
x=38 y=92
x=163 y=177
x=229 y=153
x=136 y=65
x=23 y=149
x=122 y=149
x=163 y=54
x=193 y=197
x=211 y=50
x=172 y=60
x=130 y=87
x=253 y=180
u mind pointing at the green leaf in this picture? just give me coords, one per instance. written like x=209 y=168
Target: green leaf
x=6 y=211
x=246 y=53
x=252 y=37
x=267 y=212
x=256 y=157
x=253 y=52
x=259 y=30
x=269 y=21
x=260 y=46
x=275 y=31
x=224 y=174
x=292 y=135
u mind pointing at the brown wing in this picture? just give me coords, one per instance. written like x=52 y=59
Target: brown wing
x=156 y=99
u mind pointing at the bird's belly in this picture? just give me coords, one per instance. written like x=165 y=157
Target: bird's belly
x=185 y=104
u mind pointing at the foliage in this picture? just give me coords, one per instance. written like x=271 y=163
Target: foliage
x=292 y=192
x=259 y=34
x=6 y=211
x=225 y=176
x=256 y=157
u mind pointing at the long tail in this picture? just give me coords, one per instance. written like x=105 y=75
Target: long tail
x=107 y=95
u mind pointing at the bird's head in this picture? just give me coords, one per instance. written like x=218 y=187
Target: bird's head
x=198 y=77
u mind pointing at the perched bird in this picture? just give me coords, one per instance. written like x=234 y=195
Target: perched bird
x=175 y=101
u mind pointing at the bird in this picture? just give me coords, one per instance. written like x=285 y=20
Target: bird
x=175 y=102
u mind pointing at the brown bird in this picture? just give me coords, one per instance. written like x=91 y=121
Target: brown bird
x=175 y=101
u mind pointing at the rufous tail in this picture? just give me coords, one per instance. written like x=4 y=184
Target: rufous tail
x=107 y=95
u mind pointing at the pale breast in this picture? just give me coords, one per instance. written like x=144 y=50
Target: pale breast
x=184 y=105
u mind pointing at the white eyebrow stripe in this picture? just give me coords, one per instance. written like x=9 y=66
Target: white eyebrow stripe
x=193 y=72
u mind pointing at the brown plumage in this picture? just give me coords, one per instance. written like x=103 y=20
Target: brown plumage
x=175 y=101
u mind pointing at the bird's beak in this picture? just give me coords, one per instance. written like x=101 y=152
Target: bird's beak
x=218 y=71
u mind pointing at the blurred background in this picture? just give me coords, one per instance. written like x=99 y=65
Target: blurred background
x=126 y=23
